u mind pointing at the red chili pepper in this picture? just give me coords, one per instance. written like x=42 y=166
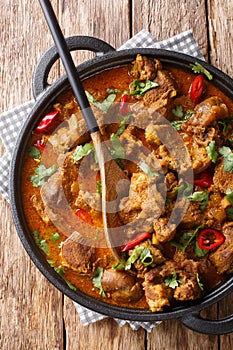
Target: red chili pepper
x=206 y=179
x=124 y=106
x=135 y=241
x=40 y=145
x=84 y=216
x=46 y=121
x=196 y=88
x=210 y=238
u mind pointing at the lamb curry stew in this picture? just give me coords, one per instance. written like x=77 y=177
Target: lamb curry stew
x=164 y=262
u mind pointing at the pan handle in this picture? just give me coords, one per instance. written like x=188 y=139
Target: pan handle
x=216 y=327
x=40 y=79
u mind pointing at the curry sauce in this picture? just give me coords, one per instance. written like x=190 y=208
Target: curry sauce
x=178 y=215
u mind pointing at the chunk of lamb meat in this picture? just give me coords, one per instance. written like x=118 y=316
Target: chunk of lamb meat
x=158 y=98
x=63 y=216
x=222 y=258
x=121 y=286
x=215 y=213
x=74 y=131
x=158 y=294
x=143 y=206
x=206 y=112
x=76 y=255
x=199 y=131
x=223 y=180
x=144 y=68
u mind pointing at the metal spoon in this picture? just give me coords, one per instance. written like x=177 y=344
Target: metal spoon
x=111 y=173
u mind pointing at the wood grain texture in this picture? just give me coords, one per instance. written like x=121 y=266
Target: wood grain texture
x=167 y=18
x=33 y=314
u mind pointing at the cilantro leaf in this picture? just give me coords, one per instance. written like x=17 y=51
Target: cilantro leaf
x=230 y=213
x=200 y=196
x=198 y=68
x=82 y=151
x=178 y=123
x=99 y=188
x=139 y=253
x=211 y=151
x=178 y=111
x=200 y=284
x=41 y=174
x=228 y=158
x=105 y=104
x=43 y=245
x=112 y=91
x=117 y=151
x=172 y=281
x=55 y=237
x=140 y=88
x=123 y=122
x=34 y=152
x=186 y=239
x=147 y=170
x=226 y=122
x=229 y=196
x=98 y=274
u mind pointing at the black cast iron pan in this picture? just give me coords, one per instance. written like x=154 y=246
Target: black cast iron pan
x=45 y=95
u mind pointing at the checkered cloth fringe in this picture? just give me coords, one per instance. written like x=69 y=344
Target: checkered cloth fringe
x=11 y=123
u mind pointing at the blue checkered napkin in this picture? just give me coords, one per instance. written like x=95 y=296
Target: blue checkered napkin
x=11 y=122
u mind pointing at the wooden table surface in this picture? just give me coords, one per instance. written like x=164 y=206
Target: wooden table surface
x=34 y=315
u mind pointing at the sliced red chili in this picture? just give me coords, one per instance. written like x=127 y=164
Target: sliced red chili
x=124 y=105
x=84 y=216
x=205 y=180
x=39 y=144
x=136 y=241
x=197 y=88
x=46 y=121
x=208 y=239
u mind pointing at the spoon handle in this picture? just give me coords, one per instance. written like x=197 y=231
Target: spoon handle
x=68 y=63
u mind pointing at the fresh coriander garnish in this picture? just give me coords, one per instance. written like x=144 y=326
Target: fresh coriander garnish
x=140 y=88
x=200 y=196
x=55 y=237
x=43 y=245
x=178 y=123
x=229 y=196
x=123 y=122
x=34 y=152
x=105 y=104
x=172 y=281
x=41 y=174
x=229 y=212
x=226 y=122
x=200 y=284
x=198 y=68
x=141 y=254
x=99 y=188
x=97 y=280
x=82 y=151
x=228 y=158
x=211 y=151
x=112 y=91
x=61 y=272
x=178 y=111
x=147 y=170
x=187 y=239
x=117 y=151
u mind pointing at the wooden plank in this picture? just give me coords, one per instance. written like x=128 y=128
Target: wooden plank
x=220 y=20
x=31 y=308
x=102 y=335
x=167 y=18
